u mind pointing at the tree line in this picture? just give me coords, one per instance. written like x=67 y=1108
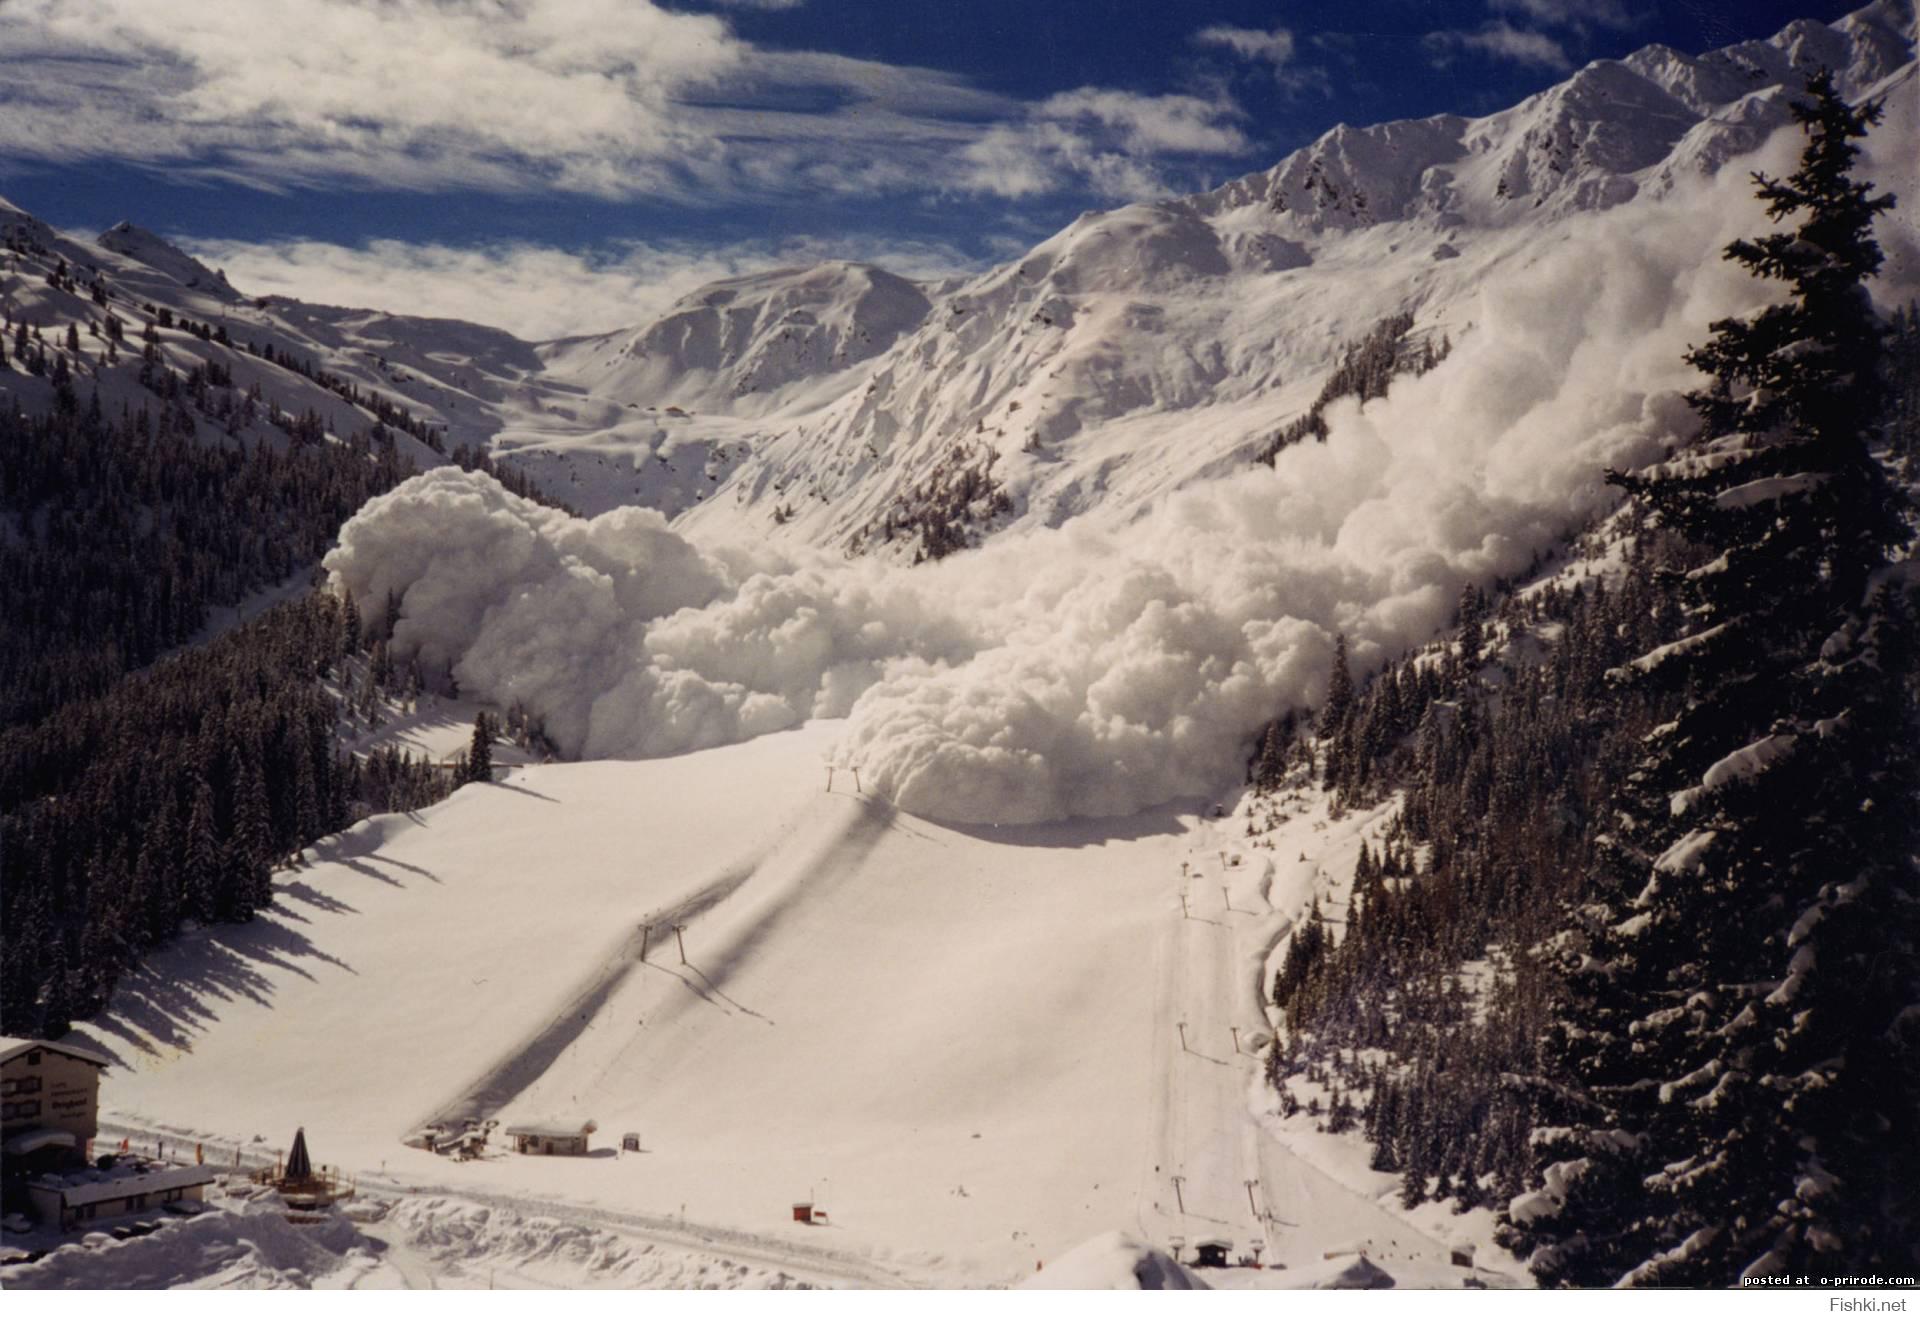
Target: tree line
x=145 y=782
x=1636 y=958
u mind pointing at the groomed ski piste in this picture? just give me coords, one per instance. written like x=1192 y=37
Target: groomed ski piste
x=974 y=1049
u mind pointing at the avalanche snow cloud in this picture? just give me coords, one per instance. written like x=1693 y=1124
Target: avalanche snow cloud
x=1086 y=671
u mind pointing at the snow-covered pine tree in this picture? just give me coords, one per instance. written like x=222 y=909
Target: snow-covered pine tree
x=1339 y=690
x=1735 y=1050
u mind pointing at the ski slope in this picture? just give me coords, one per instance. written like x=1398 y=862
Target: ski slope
x=964 y=1045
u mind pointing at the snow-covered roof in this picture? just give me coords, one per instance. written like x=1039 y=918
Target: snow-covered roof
x=95 y=1185
x=553 y=1127
x=25 y=1143
x=11 y=1047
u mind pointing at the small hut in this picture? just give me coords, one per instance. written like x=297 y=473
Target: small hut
x=562 y=1136
x=1211 y=1253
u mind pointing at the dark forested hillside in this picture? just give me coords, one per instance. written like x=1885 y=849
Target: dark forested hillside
x=121 y=532
x=131 y=801
x=171 y=798
x=1636 y=959
x=1504 y=747
x=135 y=796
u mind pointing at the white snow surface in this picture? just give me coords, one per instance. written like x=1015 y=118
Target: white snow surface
x=1116 y=1262
x=973 y=1049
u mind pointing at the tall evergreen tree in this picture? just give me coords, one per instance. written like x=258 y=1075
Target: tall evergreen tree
x=1733 y=1061
x=480 y=750
x=1339 y=690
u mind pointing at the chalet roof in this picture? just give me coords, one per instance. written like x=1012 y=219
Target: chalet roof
x=12 y=1047
x=25 y=1143
x=554 y=1127
x=92 y=1186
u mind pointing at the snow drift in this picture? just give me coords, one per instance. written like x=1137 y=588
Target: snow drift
x=1116 y=1262
x=1074 y=672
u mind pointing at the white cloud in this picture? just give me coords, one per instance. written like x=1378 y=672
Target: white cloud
x=1275 y=47
x=534 y=291
x=1105 y=140
x=1580 y=15
x=1069 y=672
x=431 y=82
x=611 y=98
x=1502 y=40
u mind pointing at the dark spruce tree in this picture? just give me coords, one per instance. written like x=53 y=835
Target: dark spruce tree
x=480 y=750
x=1731 y=1066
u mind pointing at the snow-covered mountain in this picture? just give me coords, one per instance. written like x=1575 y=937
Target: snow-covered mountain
x=1140 y=349
x=1129 y=355
x=737 y=344
x=1099 y=381
x=955 y=1002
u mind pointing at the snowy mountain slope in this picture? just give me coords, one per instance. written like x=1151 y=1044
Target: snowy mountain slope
x=471 y=384
x=1132 y=354
x=141 y=279
x=1141 y=349
x=735 y=345
x=1104 y=665
x=965 y=1046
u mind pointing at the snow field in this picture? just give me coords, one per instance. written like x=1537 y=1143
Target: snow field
x=412 y=952
x=964 y=1045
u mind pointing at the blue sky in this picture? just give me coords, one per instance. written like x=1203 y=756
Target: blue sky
x=346 y=148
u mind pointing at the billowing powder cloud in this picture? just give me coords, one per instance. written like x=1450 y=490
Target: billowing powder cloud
x=1084 y=672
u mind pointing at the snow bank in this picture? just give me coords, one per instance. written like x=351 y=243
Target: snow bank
x=471 y=1239
x=1067 y=672
x=1116 y=1261
x=249 y=1246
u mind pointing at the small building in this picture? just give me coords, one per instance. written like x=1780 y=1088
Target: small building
x=630 y=1141
x=1211 y=1253
x=49 y=1087
x=803 y=1212
x=565 y=1136
x=126 y=1187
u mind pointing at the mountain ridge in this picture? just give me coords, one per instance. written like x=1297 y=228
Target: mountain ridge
x=1131 y=353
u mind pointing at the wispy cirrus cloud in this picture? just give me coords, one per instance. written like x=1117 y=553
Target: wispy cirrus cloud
x=1547 y=34
x=1274 y=47
x=534 y=290
x=605 y=98
x=1113 y=139
x=1500 y=40
x=1579 y=15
